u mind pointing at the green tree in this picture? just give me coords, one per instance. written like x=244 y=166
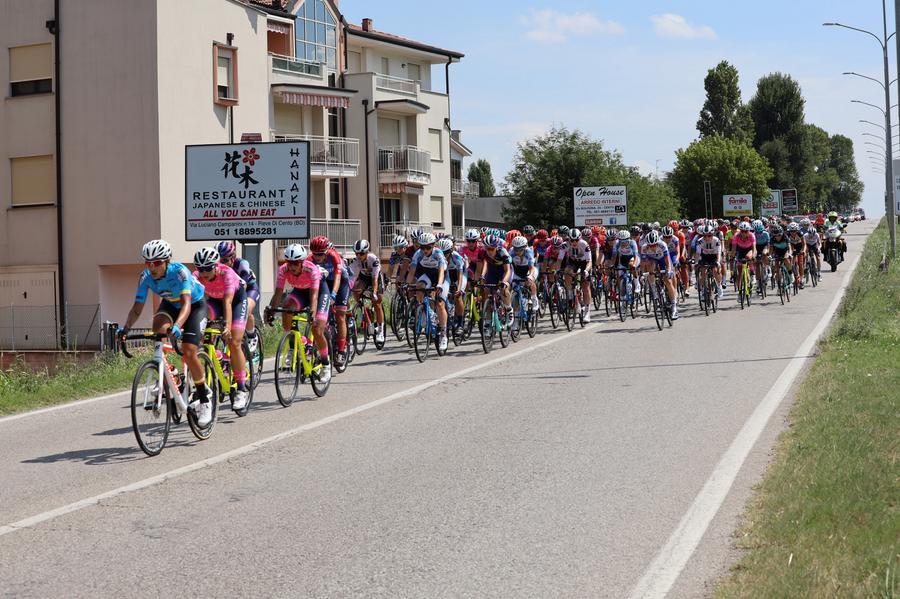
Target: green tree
x=729 y=166
x=547 y=167
x=847 y=194
x=777 y=110
x=723 y=113
x=480 y=172
x=778 y=156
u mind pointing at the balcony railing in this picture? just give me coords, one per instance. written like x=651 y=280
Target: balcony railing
x=396 y=84
x=458 y=233
x=401 y=227
x=404 y=164
x=342 y=233
x=465 y=188
x=328 y=156
x=297 y=66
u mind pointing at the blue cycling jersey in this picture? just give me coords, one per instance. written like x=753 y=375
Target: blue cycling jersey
x=176 y=281
x=762 y=238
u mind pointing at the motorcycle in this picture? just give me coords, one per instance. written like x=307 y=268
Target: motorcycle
x=833 y=247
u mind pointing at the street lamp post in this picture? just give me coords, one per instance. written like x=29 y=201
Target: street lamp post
x=888 y=150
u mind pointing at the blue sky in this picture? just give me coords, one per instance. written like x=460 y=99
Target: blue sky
x=631 y=73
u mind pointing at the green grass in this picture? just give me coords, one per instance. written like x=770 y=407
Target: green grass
x=825 y=522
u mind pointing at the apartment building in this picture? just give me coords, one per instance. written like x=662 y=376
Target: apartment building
x=102 y=96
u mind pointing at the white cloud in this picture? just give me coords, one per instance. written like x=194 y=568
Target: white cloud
x=676 y=27
x=552 y=27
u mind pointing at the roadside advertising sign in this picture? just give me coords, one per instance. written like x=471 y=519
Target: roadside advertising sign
x=247 y=191
x=739 y=204
x=771 y=206
x=789 y=202
x=606 y=205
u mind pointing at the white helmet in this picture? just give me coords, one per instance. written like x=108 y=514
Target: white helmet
x=744 y=226
x=295 y=252
x=623 y=235
x=473 y=235
x=400 y=242
x=361 y=246
x=206 y=258
x=427 y=239
x=653 y=237
x=157 y=249
x=519 y=242
x=445 y=244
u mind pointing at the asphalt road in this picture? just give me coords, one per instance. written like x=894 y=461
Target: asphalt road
x=559 y=469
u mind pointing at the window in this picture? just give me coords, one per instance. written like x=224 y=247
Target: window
x=456 y=215
x=225 y=80
x=434 y=144
x=33 y=180
x=414 y=71
x=389 y=210
x=316 y=34
x=437 y=211
x=334 y=198
x=385 y=66
x=334 y=123
x=31 y=70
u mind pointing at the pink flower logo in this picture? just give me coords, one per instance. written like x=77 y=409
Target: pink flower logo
x=250 y=156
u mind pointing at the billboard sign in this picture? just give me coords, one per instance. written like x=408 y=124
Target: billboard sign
x=789 y=201
x=606 y=205
x=247 y=191
x=771 y=206
x=739 y=204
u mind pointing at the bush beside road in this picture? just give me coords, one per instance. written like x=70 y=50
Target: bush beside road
x=825 y=520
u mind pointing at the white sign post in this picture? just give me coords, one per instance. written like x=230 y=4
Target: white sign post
x=607 y=205
x=247 y=191
x=737 y=205
x=772 y=205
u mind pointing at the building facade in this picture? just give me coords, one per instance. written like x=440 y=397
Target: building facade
x=103 y=97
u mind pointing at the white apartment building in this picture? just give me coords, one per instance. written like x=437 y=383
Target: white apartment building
x=102 y=96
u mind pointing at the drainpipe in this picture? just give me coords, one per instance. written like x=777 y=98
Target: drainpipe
x=345 y=185
x=366 y=113
x=53 y=27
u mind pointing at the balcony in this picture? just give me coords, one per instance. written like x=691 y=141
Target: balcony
x=343 y=233
x=397 y=85
x=287 y=69
x=328 y=156
x=404 y=164
x=401 y=227
x=462 y=188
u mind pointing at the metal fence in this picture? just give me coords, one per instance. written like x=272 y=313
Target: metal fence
x=38 y=327
x=343 y=233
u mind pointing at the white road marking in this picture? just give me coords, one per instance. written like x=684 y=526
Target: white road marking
x=665 y=569
x=142 y=484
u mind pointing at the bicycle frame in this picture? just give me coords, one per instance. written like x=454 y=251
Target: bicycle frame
x=226 y=381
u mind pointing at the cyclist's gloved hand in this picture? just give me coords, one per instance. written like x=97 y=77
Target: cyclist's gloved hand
x=333 y=295
x=121 y=332
x=176 y=331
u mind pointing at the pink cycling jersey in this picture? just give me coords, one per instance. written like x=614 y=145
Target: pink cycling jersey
x=744 y=242
x=471 y=255
x=226 y=282
x=309 y=277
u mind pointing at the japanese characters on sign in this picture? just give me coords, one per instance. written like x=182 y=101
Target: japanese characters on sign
x=607 y=205
x=247 y=191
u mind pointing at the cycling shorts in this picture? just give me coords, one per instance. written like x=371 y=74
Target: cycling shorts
x=742 y=254
x=708 y=260
x=192 y=331
x=626 y=260
x=760 y=249
x=576 y=265
x=812 y=249
x=493 y=276
x=239 y=309
x=300 y=299
x=342 y=300
x=442 y=291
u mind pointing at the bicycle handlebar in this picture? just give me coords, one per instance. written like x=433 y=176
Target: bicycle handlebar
x=148 y=336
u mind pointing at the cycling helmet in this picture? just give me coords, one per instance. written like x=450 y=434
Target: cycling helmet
x=586 y=233
x=427 y=239
x=744 y=226
x=225 y=249
x=655 y=225
x=635 y=230
x=519 y=243
x=361 y=246
x=596 y=230
x=473 y=235
x=574 y=234
x=319 y=244
x=528 y=230
x=685 y=222
x=793 y=227
x=623 y=235
x=157 y=249
x=832 y=214
x=400 y=242
x=541 y=234
x=445 y=245
x=777 y=230
x=805 y=222
x=653 y=237
x=556 y=241
x=668 y=231
x=563 y=231
x=295 y=252
x=612 y=232
x=645 y=228
x=709 y=230
x=206 y=258
x=493 y=241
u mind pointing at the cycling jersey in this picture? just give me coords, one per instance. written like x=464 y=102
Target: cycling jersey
x=455 y=262
x=812 y=238
x=540 y=247
x=226 y=282
x=245 y=272
x=780 y=248
x=796 y=241
x=471 y=255
x=397 y=258
x=309 y=277
x=496 y=265
x=369 y=268
x=333 y=264
x=579 y=251
x=674 y=245
x=176 y=281
x=627 y=247
x=554 y=254
x=658 y=252
x=762 y=238
x=711 y=246
x=522 y=262
x=429 y=265
x=744 y=241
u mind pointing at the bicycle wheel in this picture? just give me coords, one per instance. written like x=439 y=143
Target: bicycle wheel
x=149 y=409
x=398 y=312
x=741 y=293
x=714 y=294
x=287 y=370
x=257 y=359
x=622 y=299
x=361 y=333
x=580 y=307
x=486 y=325
x=813 y=271
x=212 y=391
x=516 y=328
x=248 y=369
x=471 y=317
x=319 y=387
x=552 y=309
x=597 y=292
x=531 y=322
x=657 y=308
x=422 y=333
x=353 y=334
x=410 y=322
x=645 y=294
x=503 y=329
x=566 y=310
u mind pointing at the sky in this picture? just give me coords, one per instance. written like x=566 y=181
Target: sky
x=631 y=73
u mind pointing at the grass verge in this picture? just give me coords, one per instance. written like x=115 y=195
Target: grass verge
x=825 y=522
x=24 y=389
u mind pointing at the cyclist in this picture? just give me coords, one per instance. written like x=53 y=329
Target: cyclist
x=324 y=255
x=540 y=245
x=365 y=273
x=530 y=233
x=472 y=252
x=743 y=245
x=429 y=268
x=228 y=257
x=523 y=266
x=310 y=290
x=709 y=250
x=226 y=298
x=496 y=269
x=398 y=263
x=813 y=242
x=553 y=258
x=627 y=255
x=676 y=250
x=780 y=250
x=762 y=241
x=182 y=312
x=457 y=274
x=798 y=248
x=659 y=260
x=579 y=260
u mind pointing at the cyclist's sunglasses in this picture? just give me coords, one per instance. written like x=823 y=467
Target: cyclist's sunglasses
x=205 y=268
x=154 y=263
x=294 y=262
x=319 y=254
x=361 y=253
